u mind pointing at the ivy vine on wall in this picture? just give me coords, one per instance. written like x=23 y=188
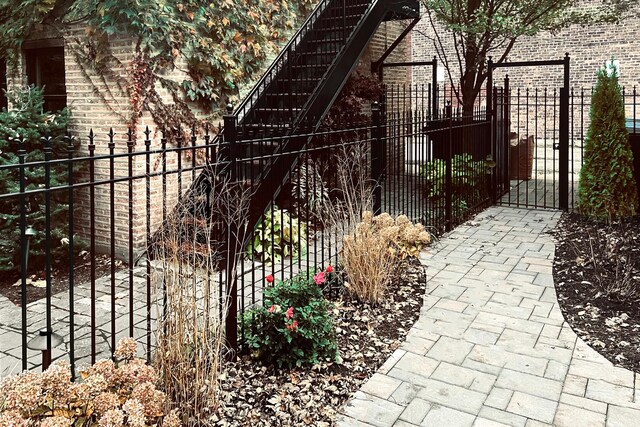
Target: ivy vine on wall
x=221 y=45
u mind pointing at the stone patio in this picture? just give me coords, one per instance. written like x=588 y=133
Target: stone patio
x=491 y=347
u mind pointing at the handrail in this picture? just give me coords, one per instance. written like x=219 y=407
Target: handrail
x=336 y=59
x=285 y=51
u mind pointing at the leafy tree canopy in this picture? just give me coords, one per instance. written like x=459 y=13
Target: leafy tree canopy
x=222 y=44
x=483 y=28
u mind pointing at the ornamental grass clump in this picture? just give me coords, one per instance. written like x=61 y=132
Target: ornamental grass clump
x=110 y=394
x=372 y=254
x=294 y=327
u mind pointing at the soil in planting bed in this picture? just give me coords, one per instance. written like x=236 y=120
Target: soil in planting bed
x=257 y=395
x=597 y=276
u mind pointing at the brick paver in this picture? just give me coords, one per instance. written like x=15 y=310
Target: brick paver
x=491 y=347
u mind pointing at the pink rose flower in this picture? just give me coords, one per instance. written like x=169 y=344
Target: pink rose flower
x=269 y=278
x=289 y=313
x=293 y=326
x=319 y=278
x=272 y=309
x=329 y=268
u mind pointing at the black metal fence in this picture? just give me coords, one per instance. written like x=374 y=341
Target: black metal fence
x=534 y=169
x=129 y=204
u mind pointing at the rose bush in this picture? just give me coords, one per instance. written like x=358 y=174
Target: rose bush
x=294 y=328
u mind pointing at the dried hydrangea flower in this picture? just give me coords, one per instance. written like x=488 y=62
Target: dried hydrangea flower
x=12 y=419
x=153 y=400
x=56 y=422
x=135 y=413
x=126 y=349
x=104 y=402
x=172 y=419
x=112 y=418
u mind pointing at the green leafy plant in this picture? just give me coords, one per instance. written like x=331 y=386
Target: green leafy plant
x=221 y=45
x=468 y=181
x=27 y=122
x=294 y=328
x=278 y=235
x=607 y=189
x=120 y=393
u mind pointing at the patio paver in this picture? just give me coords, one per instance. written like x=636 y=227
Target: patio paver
x=491 y=347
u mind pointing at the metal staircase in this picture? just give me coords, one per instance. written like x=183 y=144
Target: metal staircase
x=295 y=94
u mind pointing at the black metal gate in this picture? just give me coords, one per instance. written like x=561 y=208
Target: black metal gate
x=531 y=141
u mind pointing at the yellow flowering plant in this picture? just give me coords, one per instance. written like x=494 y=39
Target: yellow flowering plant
x=110 y=394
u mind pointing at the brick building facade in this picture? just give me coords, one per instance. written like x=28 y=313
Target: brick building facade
x=589 y=47
x=99 y=104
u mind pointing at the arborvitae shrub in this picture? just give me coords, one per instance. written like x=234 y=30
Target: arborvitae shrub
x=27 y=121
x=607 y=188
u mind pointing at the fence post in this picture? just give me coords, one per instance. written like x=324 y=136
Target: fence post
x=506 y=115
x=377 y=152
x=448 y=172
x=92 y=234
x=72 y=326
x=434 y=89
x=22 y=153
x=563 y=169
x=230 y=155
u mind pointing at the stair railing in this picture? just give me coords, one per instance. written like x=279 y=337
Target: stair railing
x=281 y=60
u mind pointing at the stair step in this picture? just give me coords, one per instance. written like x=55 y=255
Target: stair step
x=277 y=109
x=286 y=94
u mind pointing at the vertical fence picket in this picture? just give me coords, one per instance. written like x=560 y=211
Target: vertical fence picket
x=92 y=238
x=24 y=249
x=70 y=236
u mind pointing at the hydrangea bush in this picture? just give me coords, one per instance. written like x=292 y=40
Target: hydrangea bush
x=110 y=394
x=294 y=328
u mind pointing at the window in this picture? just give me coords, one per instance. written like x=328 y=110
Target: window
x=3 y=84
x=45 y=68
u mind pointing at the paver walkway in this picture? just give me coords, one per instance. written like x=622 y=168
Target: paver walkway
x=491 y=347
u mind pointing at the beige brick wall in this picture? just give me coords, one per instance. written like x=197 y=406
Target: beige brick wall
x=100 y=104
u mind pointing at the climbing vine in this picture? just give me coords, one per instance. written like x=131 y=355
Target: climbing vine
x=219 y=46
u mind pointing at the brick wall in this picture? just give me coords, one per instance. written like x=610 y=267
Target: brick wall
x=589 y=47
x=101 y=104
x=535 y=90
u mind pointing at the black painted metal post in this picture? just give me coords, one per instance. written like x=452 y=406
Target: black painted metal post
x=92 y=236
x=448 y=173
x=376 y=158
x=72 y=326
x=563 y=169
x=434 y=89
x=493 y=136
x=48 y=152
x=22 y=153
x=231 y=322
x=130 y=144
x=506 y=118
x=112 y=238
x=147 y=185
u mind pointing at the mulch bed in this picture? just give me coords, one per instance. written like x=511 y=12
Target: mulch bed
x=597 y=276
x=258 y=395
